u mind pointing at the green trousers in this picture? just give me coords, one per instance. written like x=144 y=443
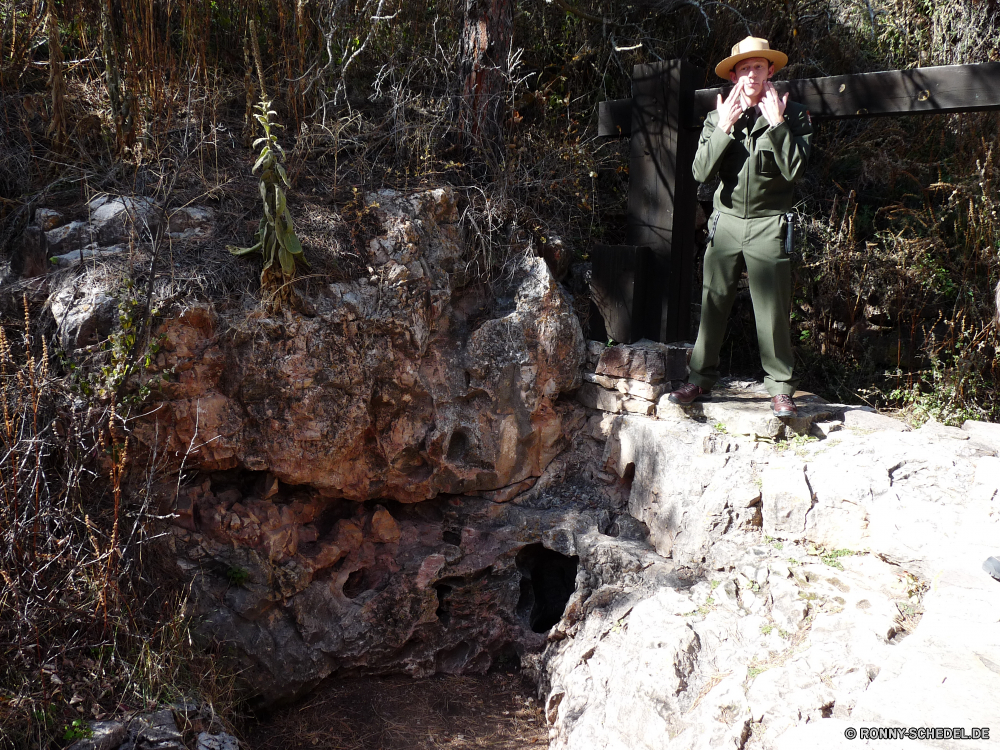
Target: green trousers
x=759 y=246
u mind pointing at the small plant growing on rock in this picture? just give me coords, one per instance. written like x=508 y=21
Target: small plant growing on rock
x=830 y=558
x=275 y=239
x=78 y=730
x=237 y=576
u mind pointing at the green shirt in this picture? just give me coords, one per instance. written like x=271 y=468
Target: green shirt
x=756 y=163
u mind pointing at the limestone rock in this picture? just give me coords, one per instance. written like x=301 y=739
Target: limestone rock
x=220 y=741
x=104 y=735
x=191 y=223
x=48 y=219
x=984 y=432
x=387 y=392
x=864 y=420
x=115 y=220
x=83 y=310
x=69 y=237
x=594 y=396
x=786 y=498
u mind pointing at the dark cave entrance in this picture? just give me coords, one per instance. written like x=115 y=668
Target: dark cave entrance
x=548 y=579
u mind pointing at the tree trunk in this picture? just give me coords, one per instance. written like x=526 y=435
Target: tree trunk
x=486 y=38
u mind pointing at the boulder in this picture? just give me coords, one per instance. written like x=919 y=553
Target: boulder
x=48 y=219
x=84 y=312
x=191 y=223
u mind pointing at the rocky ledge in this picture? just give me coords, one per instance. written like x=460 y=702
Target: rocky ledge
x=801 y=588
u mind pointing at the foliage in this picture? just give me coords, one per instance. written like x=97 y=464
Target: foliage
x=275 y=238
x=82 y=630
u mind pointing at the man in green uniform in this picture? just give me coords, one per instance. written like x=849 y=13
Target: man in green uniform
x=757 y=143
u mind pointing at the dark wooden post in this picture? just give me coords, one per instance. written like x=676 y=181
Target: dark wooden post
x=662 y=192
x=619 y=283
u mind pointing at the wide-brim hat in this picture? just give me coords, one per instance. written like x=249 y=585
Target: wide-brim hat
x=751 y=47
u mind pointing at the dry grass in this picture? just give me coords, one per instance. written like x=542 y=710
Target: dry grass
x=84 y=630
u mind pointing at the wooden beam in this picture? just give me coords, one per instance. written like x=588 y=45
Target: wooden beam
x=662 y=193
x=619 y=282
x=921 y=91
x=939 y=90
x=614 y=118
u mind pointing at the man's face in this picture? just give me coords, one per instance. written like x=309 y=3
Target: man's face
x=755 y=72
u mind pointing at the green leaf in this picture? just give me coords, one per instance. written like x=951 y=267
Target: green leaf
x=260 y=140
x=287 y=261
x=283 y=173
x=280 y=201
x=293 y=244
x=244 y=250
x=263 y=156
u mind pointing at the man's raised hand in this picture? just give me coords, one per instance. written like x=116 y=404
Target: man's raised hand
x=772 y=106
x=729 y=109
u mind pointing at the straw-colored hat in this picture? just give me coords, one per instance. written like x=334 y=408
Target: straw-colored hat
x=751 y=47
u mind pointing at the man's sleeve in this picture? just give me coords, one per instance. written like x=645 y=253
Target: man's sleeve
x=711 y=146
x=791 y=141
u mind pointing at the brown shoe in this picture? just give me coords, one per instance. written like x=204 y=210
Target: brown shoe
x=782 y=405
x=688 y=393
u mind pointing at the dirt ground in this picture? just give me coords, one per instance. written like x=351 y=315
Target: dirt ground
x=497 y=711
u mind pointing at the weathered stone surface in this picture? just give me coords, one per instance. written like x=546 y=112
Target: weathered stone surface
x=641 y=389
x=388 y=391
x=674 y=358
x=83 y=310
x=799 y=638
x=786 y=499
x=746 y=412
x=48 y=219
x=645 y=360
x=91 y=251
x=430 y=587
x=686 y=497
x=638 y=406
x=863 y=420
x=593 y=354
x=605 y=381
x=191 y=223
x=220 y=741
x=115 y=220
x=69 y=237
x=615 y=361
x=594 y=396
x=105 y=735
x=987 y=433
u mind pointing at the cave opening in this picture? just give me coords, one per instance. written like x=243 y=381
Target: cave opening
x=548 y=579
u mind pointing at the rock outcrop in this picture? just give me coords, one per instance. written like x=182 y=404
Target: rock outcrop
x=824 y=584
x=353 y=462
x=402 y=385
x=390 y=480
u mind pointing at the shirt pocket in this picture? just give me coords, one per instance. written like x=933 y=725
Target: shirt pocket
x=766 y=164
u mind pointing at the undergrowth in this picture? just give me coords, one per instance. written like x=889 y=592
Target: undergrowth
x=89 y=628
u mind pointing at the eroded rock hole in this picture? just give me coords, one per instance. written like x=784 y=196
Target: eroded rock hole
x=458 y=446
x=355 y=584
x=548 y=579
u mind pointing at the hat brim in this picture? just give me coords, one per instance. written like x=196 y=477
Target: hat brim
x=777 y=59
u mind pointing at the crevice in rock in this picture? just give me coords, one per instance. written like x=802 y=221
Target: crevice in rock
x=443 y=611
x=548 y=579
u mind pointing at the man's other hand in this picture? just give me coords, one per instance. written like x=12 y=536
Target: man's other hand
x=729 y=109
x=772 y=106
